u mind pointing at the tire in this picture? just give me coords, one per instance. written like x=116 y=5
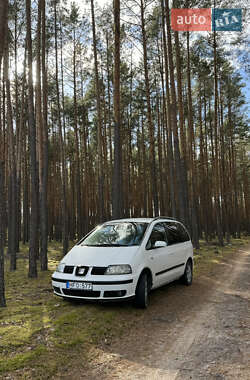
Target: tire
x=187 y=277
x=142 y=291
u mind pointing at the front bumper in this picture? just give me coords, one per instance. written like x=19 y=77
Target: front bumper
x=104 y=287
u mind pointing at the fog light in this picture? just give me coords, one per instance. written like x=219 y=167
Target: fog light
x=114 y=293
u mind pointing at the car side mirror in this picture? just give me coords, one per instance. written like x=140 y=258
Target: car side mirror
x=160 y=243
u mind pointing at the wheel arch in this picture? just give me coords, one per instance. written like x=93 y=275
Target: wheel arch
x=148 y=272
x=191 y=259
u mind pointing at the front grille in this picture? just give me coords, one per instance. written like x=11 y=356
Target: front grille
x=98 y=270
x=81 y=293
x=84 y=273
x=114 y=293
x=68 y=269
x=56 y=289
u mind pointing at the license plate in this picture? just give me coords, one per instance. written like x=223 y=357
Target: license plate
x=79 y=285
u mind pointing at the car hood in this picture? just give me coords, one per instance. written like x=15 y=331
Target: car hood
x=99 y=256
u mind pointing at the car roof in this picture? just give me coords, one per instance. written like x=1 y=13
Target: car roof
x=141 y=220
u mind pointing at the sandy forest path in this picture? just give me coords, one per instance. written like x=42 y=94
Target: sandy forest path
x=197 y=332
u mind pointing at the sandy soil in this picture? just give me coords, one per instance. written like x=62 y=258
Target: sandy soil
x=197 y=332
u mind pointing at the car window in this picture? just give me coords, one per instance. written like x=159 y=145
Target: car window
x=173 y=233
x=158 y=234
x=183 y=233
x=116 y=234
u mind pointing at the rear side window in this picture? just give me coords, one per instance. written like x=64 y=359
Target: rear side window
x=173 y=235
x=183 y=233
x=176 y=233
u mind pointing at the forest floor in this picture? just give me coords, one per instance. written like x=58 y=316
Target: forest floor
x=197 y=332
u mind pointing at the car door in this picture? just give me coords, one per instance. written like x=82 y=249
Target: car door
x=159 y=258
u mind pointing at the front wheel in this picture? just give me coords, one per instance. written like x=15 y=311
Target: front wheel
x=141 y=293
x=187 y=277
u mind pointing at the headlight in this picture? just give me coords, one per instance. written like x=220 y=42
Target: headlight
x=60 y=267
x=119 y=269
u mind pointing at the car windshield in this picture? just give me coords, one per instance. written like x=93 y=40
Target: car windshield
x=123 y=234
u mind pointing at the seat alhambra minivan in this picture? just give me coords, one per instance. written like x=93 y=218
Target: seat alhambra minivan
x=126 y=258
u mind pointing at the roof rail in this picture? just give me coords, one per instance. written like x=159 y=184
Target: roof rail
x=163 y=217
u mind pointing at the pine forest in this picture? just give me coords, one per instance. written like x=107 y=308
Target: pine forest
x=106 y=112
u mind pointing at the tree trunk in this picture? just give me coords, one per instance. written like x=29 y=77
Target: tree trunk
x=117 y=185
x=65 y=238
x=3 y=19
x=153 y=178
x=224 y=173
x=2 y=235
x=183 y=140
x=18 y=135
x=193 y=171
x=12 y=200
x=181 y=188
x=78 y=172
x=44 y=183
x=216 y=163
x=166 y=111
x=38 y=94
x=109 y=104
x=33 y=249
x=100 y=174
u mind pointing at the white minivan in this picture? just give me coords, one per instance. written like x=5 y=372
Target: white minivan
x=126 y=258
